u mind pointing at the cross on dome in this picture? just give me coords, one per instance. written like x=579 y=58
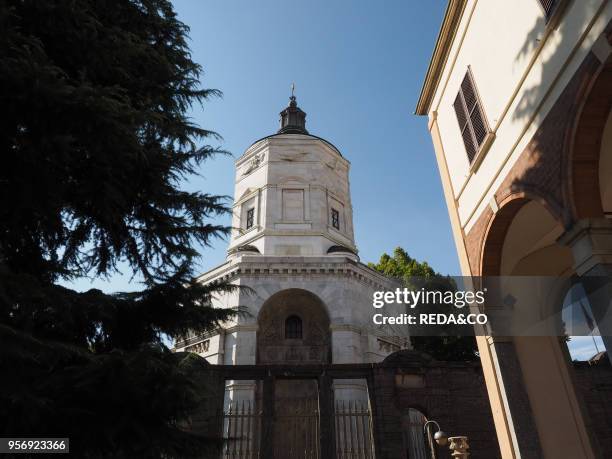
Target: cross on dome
x=292 y=119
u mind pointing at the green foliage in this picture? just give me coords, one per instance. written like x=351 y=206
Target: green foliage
x=96 y=143
x=414 y=274
x=400 y=266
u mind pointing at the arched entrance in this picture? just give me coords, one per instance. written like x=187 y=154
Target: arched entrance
x=293 y=327
x=415 y=442
x=589 y=165
x=605 y=167
x=540 y=393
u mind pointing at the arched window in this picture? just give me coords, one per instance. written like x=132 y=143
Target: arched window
x=415 y=442
x=293 y=328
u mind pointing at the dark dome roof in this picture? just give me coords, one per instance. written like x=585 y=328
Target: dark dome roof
x=248 y=248
x=340 y=249
x=292 y=119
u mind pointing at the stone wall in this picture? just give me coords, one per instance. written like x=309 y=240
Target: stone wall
x=451 y=393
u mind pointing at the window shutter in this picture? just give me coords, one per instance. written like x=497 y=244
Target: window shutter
x=478 y=124
x=460 y=111
x=470 y=117
x=548 y=6
x=469 y=94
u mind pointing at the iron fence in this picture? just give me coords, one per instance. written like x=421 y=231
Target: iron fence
x=241 y=430
x=353 y=423
x=297 y=430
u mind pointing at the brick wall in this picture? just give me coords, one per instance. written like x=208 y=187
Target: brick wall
x=451 y=393
x=594 y=385
x=559 y=165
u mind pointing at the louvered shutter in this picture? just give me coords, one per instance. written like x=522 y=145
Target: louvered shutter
x=548 y=6
x=470 y=117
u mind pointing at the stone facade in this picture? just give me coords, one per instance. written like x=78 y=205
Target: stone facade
x=306 y=338
x=294 y=184
x=292 y=251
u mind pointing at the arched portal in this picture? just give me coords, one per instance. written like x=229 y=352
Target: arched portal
x=585 y=174
x=415 y=441
x=605 y=167
x=293 y=327
x=522 y=241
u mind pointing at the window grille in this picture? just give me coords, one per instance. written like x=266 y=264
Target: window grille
x=250 y=218
x=335 y=216
x=293 y=328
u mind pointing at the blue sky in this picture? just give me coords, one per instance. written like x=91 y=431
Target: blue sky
x=358 y=69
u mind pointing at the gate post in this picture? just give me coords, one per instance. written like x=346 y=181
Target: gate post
x=267 y=431
x=326 y=417
x=376 y=424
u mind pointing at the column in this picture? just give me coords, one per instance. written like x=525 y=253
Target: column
x=591 y=243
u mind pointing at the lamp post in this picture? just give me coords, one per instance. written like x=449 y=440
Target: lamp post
x=458 y=445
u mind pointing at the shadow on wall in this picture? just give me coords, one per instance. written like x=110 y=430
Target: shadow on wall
x=554 y=29
x=546 y=168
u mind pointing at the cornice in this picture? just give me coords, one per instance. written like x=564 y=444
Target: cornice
x=448 y=30
x=293 y=138
x=268 y=232
x=254 y=266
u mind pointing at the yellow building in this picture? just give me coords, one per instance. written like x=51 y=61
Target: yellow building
x=518 y=96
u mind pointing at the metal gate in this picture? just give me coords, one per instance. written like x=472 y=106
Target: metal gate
x=296 y=429
x=353 y=425
x=241 y=430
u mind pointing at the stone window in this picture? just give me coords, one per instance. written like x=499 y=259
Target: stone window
x=293 y=205
x=470 y=115
x=247 y=213
x=293 y=328
x=250 y=218
x=335 y=218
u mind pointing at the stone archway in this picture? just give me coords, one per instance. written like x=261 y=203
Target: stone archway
x=605 y=167
x=304 y=310
x=521 y=240
x=293 y=328
x=588 y=133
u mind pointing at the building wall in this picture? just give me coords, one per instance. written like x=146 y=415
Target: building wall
x=521 y=66
x=594 y=383
x=451 y=393
x=344 y=287
x=293 y=182
x=546 y=106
